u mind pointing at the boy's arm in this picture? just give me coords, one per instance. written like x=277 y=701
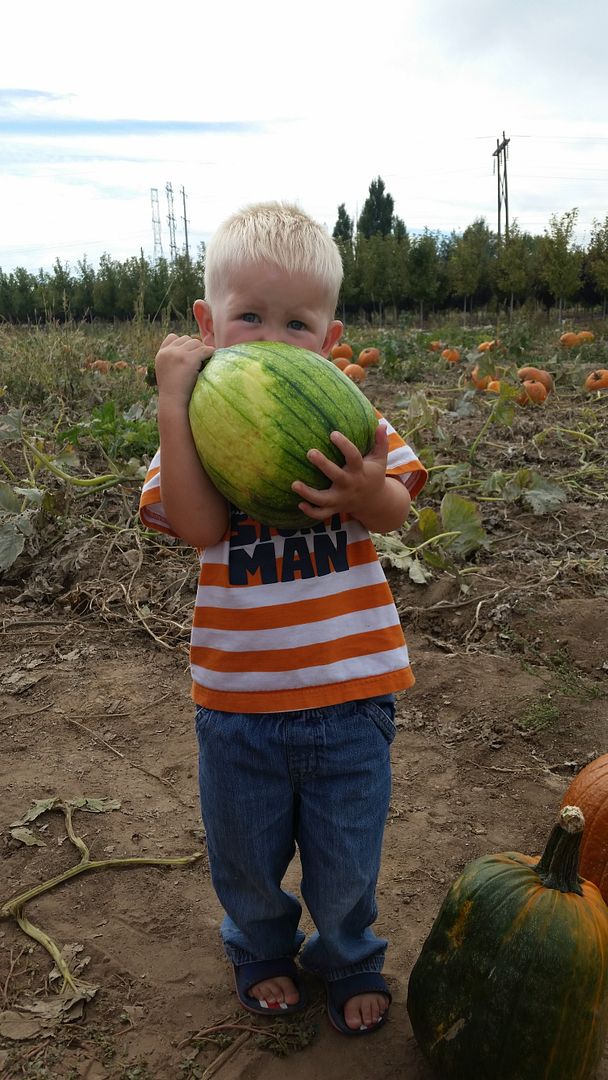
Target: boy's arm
x=198 y=513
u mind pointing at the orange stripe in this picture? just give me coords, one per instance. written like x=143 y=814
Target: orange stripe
x=359 y=552
x=303 y=697
x=301 y=611
x=302 y=656
x=152 y=495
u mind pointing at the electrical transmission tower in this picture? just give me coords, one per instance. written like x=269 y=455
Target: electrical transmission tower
x=171 y=221
x=500 y=167
x=185 y=221
x=158 y=244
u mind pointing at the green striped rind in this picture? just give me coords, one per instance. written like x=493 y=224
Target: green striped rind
x=512 y=981
x=255 y=412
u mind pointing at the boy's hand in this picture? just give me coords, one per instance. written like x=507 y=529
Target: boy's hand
x=178 y=363
x=356 y=486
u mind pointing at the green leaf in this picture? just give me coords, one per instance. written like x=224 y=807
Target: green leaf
x=10 y=426
x=12 y=543
x=67 y=459
x=465 y=405
x=494 y=484
x=545 y=496
x=539 y=494
x=436 y=558
x=393 y=552
x=417 y=572
x=428 y=523
x=8 y=499
x=33 y=495
x=24 y=523
x=461 y=515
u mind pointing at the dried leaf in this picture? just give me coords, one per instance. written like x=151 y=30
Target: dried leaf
x=69 y=954
x=95 y=806
x=27 y=837
x=14 y=1026
x=35 y=810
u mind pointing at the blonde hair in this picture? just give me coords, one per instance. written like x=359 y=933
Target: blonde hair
x=278 y=233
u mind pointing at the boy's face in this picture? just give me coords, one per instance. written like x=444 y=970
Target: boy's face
x=264 y=303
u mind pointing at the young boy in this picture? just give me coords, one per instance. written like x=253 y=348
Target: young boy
x=296 y=646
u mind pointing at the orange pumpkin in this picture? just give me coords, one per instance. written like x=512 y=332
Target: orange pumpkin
x=480 y=382
x=355 y=372
x=493 y=386
x=436 y=346
x=141 y=369
x=484 y=346
x=538 y=375
x=586 y=337
x=569 y=339
x=102 y=366
x=342 y=350
x=533 y=392
x=597 y=380
x=452 y=356
x=341 y=362
x=120 y=365
x=369 y=356
x=590 y=789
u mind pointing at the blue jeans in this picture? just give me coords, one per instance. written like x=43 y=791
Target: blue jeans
x=319 y=778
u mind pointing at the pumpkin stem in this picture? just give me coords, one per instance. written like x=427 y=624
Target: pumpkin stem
x=558 y=865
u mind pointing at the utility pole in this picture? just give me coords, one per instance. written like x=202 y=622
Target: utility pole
x=185 y=221
x=501 y=172
x=171 y=221
x=158 y=244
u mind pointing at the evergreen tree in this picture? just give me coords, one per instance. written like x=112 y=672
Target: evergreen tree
x=376 y=216
x=343 y=229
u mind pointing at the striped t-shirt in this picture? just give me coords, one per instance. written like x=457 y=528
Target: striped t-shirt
x=288 y=619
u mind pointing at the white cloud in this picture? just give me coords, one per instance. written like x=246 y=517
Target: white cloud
x=416 y=91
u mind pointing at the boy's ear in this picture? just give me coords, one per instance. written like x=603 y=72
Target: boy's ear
x=202 y=314
x=334 y=333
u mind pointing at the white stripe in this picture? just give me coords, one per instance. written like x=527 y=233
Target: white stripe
x=151 y=483
x=358 y=667
x=290 y=591
x=315 y=633
x=401 y=455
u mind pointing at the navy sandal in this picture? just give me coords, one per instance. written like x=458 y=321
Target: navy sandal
x=247 y=975
x=342 y=990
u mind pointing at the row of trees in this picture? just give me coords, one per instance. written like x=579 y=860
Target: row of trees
x=387 y=271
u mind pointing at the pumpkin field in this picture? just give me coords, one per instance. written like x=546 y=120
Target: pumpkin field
x=111 y=966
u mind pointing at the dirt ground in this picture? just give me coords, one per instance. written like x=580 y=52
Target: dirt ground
x=510 y=701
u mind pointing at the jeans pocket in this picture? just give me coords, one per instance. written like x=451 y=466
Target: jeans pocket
x=383 y=716
x=202 y=719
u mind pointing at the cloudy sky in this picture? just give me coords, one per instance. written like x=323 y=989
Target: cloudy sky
x=307 y=101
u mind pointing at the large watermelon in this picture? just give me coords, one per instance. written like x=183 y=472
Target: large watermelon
x=257 y=409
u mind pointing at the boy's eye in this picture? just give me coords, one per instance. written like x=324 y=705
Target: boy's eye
x=296 y=324
x=249 y=316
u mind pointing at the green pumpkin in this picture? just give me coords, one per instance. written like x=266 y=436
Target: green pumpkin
x=512 y=981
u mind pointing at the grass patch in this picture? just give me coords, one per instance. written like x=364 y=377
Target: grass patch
x=539 y=715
